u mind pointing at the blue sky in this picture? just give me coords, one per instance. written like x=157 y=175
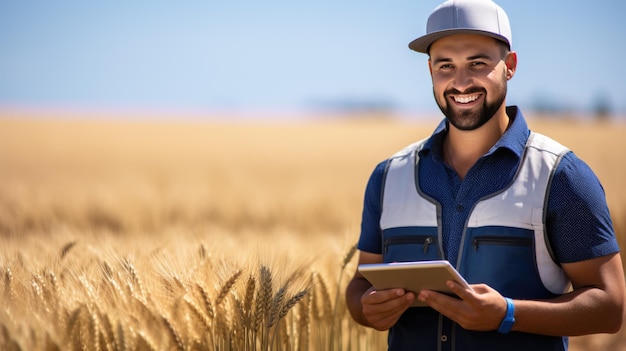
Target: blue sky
x=279 y=55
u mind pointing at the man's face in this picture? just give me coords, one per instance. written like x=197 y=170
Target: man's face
x=469 y=78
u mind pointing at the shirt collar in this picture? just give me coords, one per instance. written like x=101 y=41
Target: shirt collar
x=513 y=139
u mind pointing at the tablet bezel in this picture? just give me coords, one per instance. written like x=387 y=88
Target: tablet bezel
x=412 y=276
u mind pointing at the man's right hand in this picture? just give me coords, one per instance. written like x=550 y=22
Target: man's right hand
x=383 y=308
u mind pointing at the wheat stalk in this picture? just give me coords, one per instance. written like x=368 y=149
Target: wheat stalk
x=304 y=325
x=280 y=310
x=346 y=259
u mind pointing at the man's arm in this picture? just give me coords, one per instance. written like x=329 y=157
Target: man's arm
x=377 y=309
x=595 y=305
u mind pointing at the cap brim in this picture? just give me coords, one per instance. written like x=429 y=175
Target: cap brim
x=422 y=44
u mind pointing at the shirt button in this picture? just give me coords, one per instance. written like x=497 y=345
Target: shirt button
x=460 y=208
x=444 y=338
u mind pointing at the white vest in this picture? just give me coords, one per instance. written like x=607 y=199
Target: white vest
x=520 y=207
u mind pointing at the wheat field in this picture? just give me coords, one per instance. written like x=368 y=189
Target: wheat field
x=207 y=234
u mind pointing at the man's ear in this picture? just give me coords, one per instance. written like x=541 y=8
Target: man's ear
x=430 y=67
x=511 y=64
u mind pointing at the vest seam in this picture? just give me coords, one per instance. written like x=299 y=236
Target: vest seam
x=436 y=203
x=382 y=199
x=546 y=237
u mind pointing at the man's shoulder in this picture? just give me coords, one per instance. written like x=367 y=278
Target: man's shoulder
x=546 y=143
x=411 y=149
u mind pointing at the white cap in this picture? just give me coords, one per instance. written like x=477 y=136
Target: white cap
x=464 y=16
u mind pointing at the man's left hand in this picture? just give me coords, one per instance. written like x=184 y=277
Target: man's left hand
x=480 y=307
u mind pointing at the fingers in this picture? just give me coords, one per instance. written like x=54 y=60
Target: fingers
x=467 y=294
x=443 y=303
x=383 y=308
x=478 y=307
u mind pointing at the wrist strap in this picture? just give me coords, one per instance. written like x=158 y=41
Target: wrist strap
x=509 y=318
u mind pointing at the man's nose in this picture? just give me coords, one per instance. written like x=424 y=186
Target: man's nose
x=462 y=79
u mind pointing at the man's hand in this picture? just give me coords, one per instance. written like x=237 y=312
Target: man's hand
x=383 y=308
x=480 y=308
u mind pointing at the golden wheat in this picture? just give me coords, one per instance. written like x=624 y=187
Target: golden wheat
x=132 y=235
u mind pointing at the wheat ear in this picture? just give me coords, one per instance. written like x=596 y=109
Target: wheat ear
x=326 y=310
x=122 y=341
x=95 y=330
x=276 y=306
x=292 y=302
x=109 y=335
x=264 y=297
x=178 y=342
x=135 y=277
x=72 y=329
x=9 y=293
x=197 y=312
x=348 y=256
x=145 y=343
x=227 y=286
x=66 y=248
x=206 y=300
x=248 y=300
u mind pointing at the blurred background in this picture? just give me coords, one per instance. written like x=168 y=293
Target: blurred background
x=288 y=58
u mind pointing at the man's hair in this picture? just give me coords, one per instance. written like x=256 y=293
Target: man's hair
x=504 y=48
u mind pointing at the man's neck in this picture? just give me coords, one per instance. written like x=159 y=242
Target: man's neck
x=463 y=148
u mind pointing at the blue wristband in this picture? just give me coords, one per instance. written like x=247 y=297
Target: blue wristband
x=509 y=318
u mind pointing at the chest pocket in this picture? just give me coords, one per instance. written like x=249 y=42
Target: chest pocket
x=405 y=244
x=503 y=258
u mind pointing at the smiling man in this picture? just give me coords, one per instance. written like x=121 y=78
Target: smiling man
x=518 y=214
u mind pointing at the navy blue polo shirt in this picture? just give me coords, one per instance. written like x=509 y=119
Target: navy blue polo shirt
x=578 y=222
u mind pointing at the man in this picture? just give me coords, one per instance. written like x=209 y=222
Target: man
x=519 y=215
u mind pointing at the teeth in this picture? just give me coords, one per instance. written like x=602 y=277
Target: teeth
x=466 y=98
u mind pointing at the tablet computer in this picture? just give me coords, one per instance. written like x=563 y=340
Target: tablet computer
x=412 y=276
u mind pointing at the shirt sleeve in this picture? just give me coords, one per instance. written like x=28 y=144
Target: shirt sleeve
x=371 y=239
x=578 y=221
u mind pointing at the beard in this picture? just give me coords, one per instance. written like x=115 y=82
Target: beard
x=475 y=118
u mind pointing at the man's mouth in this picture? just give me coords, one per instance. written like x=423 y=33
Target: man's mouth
x=465 y=99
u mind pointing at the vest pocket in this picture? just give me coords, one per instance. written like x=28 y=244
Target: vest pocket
x=503 y=258
x=499 y=240
x=407 y=244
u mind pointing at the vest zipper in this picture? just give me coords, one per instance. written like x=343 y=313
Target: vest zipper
x=399 y=240
x=499 y=240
